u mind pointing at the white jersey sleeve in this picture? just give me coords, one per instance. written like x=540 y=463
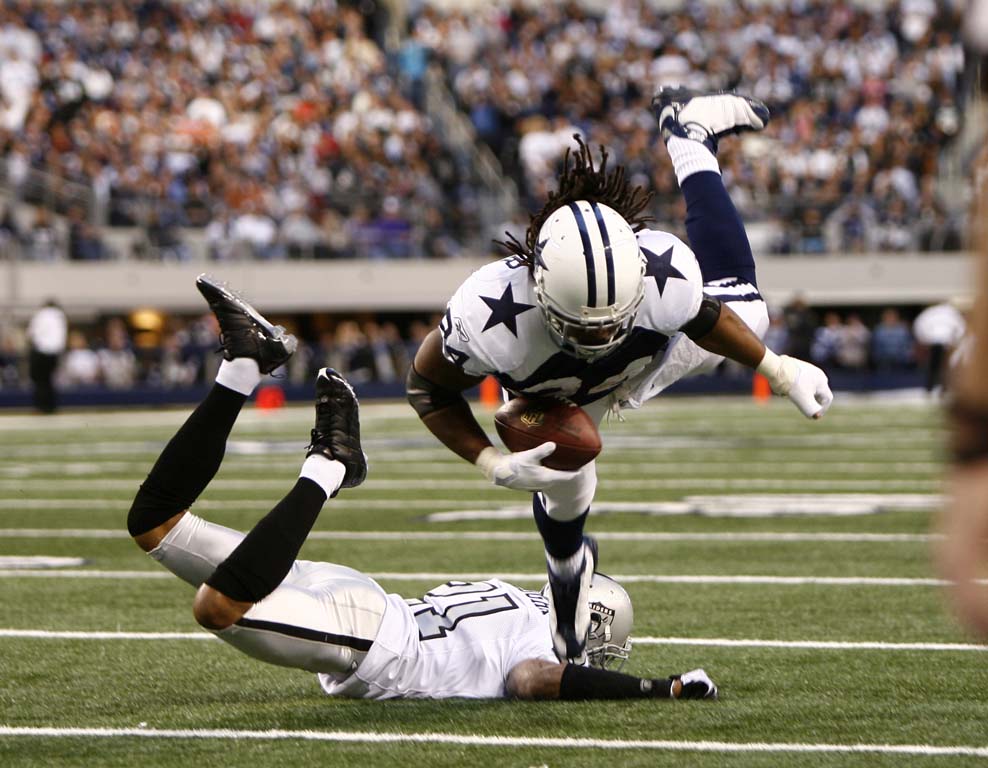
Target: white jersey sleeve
x=673 y=284
x=489 y=319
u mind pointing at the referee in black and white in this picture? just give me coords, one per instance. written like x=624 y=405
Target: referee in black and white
x=46 y=334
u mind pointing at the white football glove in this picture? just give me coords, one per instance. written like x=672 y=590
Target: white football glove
x=522 y=471
x=803 y=383
x=696 y=685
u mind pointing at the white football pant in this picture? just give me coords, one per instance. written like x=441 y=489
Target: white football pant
x=322 y=618
x=682 y=358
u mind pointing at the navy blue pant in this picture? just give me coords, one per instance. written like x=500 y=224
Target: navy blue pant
x=715 y=230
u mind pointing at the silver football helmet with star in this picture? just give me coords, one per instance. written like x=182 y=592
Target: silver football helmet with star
x=589 y=278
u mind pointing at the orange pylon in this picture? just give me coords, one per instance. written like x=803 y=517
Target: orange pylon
x=760 y=388
x=490 y=392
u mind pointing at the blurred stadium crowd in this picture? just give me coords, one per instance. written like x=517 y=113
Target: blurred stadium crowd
x=288 y=129
x=866 y=98
x=274 y=127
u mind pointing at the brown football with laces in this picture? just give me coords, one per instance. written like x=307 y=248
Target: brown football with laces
x=524 y=423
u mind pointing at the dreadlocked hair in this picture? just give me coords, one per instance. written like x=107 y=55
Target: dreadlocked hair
x=582 y=181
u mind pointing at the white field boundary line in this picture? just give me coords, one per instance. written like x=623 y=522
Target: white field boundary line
x=474 y=484
x=92 y=479
x=725 y=537
x=377 y=737
x=717 y=642
x=537 y=578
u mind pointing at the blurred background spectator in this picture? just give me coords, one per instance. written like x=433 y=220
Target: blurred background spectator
x=46 y=334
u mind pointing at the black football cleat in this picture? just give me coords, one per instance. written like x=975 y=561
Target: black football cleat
x=243 y=330
x=337 y=432
x=706 y=116
x=569 y=606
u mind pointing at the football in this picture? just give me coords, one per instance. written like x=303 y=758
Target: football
x=524 y=423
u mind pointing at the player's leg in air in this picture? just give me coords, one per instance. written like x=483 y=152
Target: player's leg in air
x=314 y=616
x=692 y=123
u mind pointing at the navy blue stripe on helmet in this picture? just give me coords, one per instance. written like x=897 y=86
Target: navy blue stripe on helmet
x=587 y=255
x=608 y=256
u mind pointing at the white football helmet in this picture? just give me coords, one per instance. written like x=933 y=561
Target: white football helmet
x=589 y=278
x=611 y=619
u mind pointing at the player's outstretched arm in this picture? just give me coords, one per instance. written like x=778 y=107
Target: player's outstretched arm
x=539 y=679
x=435 y=390
x=718 y=329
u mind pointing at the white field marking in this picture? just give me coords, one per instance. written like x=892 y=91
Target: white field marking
x=741 y=506
x=726 y=537
x=471 y=740
x=85 y=474
x=246 y=504
x=45 y=634
x=479 y=484
x=753 y=505
x=679 y=408
x=164 y=417
x=87 y=574
x=715 y=642
x=816 y=645
x=81 y=471
x=39 y=561
x=539 y=578
x=289 y=452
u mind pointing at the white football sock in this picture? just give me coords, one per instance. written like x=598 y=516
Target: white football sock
x=240 y=374
x=689 y=157
x=325 y=472
x=566 y=566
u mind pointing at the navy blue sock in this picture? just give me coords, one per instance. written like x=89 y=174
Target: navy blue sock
x=562 y=538
x=715 y=229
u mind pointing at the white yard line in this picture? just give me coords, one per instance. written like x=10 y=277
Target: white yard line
x=478 y=483
x=716 y=642
x=726 y=537
x=245 y=504
x=569 y=743
x=816 y=645
x=537 y=578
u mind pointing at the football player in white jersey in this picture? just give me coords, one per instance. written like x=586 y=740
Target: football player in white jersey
x=595 y=308
x=484 y=639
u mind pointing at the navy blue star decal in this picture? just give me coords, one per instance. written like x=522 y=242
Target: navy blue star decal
x=661 y=268
x=538 y=254
x=505 y=310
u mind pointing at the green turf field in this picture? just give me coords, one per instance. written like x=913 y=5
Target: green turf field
x=824 y=626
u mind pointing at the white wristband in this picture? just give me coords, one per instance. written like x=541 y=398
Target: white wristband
x=487 y=460
x=770 y=367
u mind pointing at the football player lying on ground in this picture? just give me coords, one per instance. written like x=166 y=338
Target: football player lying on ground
x=483 y=639
x=597 y=309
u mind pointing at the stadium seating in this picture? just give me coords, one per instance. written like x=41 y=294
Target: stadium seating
x=867 y=96
x=277 y=129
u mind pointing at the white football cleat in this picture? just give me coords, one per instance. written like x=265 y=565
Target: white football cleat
x=706 y=117
x=569 y=606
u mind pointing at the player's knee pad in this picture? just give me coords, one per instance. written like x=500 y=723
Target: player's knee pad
x=193 y=548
